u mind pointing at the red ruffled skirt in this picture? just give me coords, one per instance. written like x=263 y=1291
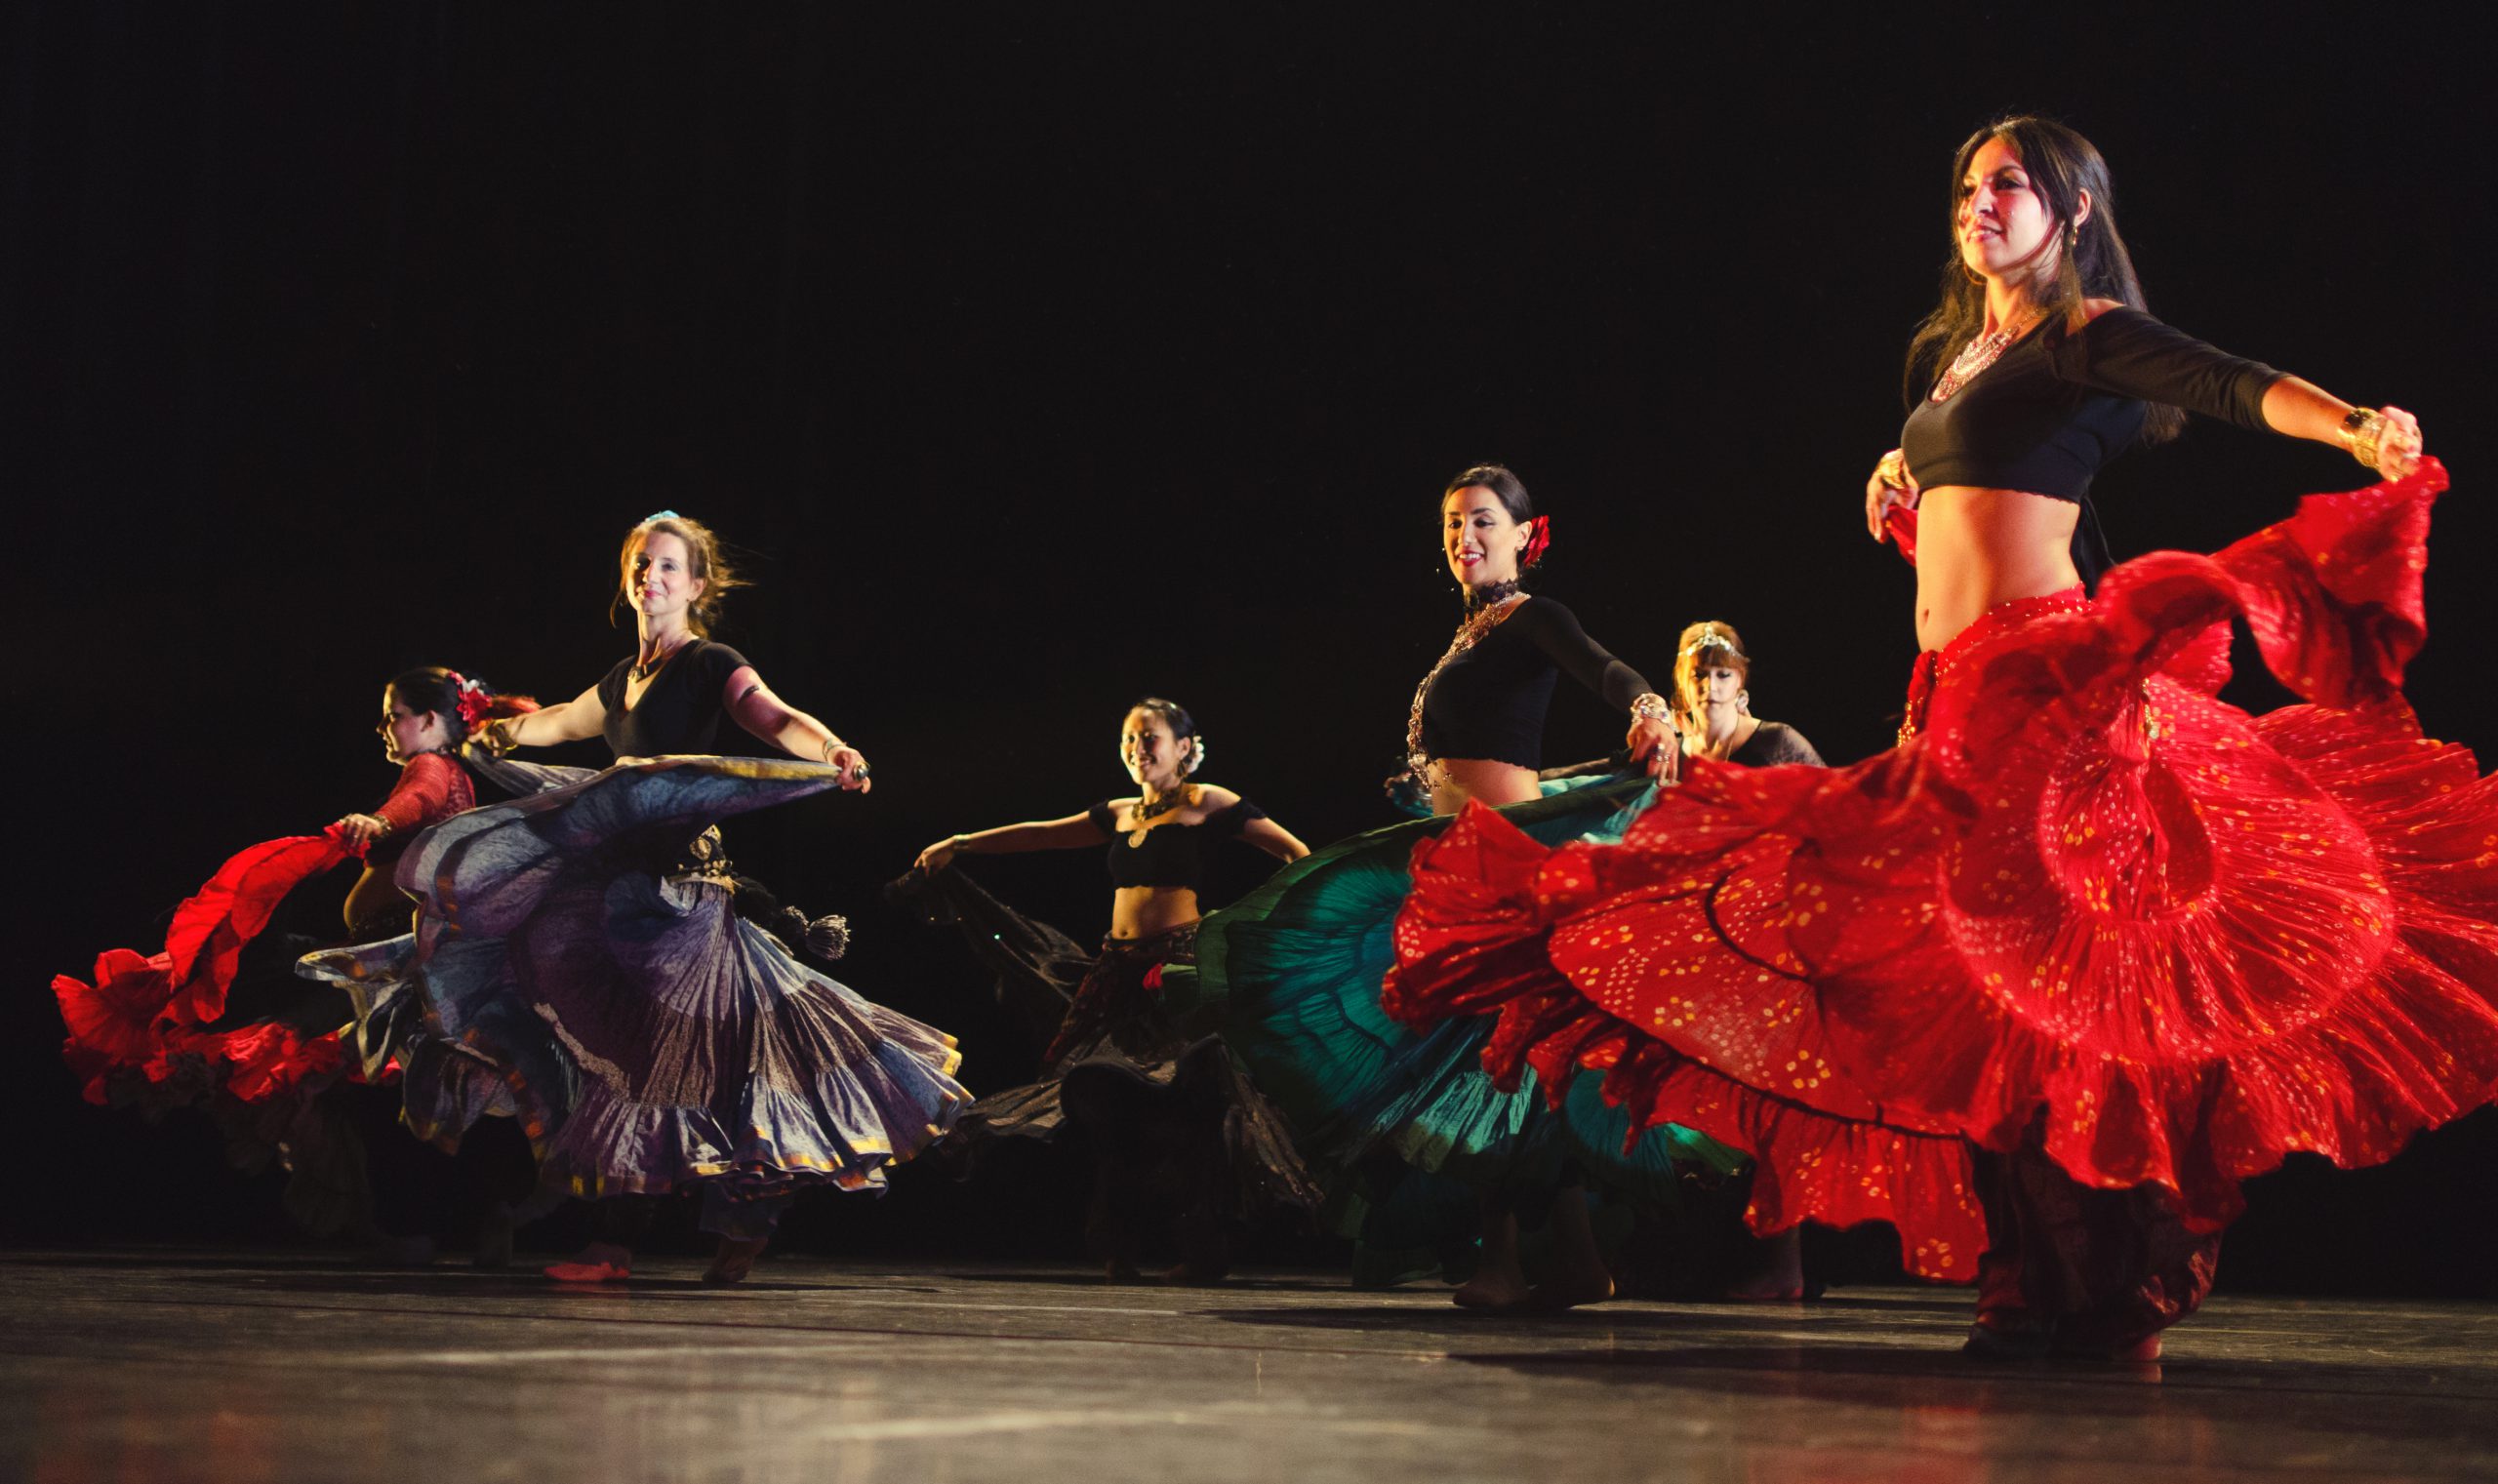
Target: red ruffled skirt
x=2083 y=902
x=143 y=1022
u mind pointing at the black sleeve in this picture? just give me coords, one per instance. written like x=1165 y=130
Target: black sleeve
x=1226 y=823
x=1103 y=819
x=2131 y=354
x=712 y=668
x=1787 y=745
x=611 y=685
x=1556 y=630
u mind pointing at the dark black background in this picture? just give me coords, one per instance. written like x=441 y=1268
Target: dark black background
x=1039 y=362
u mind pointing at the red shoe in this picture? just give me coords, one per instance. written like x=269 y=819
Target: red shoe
x=598 y=1263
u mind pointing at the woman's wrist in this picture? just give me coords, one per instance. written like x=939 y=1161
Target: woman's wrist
x=1650 y=706
x=2361 y=429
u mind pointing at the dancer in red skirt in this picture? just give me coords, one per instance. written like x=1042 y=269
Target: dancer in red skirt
x=2042 y=984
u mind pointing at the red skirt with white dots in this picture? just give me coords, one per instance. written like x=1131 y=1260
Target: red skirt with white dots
x=2084 y=901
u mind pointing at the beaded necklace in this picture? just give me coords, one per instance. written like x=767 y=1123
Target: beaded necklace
x=1177 y=798
x=1977 y=355
x=1482 y=620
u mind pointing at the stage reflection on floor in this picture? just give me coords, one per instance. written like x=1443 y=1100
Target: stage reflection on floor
x=173 y=1366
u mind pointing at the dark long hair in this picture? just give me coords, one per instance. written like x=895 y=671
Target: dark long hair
x=2091 y=259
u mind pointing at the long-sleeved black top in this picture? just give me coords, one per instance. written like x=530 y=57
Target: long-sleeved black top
x=1490 y=702
x=2060 y=403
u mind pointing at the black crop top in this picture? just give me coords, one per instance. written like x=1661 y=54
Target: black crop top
x=2060 y=404
x=1172 y=855
x=681 y=709
x=1490 y=702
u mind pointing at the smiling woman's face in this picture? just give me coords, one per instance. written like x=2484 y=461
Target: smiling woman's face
x=1153 y=755
x=2003 y=224
x=662 y=575
x=1479 y=536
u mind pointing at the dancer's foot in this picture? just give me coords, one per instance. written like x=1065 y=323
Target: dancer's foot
x=1122 y=1270
x=1499 y=1284
x=1496 y=1288
x=1195 y=1275
x=1570 y=1290
x=598 y=1263
x=734 y=1261
x=1778 y=1272
x=2143 y=1351
x=2004 y=1346
x=1579 y=1275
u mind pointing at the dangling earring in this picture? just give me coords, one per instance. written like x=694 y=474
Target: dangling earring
x=1743 y=703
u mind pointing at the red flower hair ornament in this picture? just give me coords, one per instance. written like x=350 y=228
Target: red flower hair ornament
x=1539 y=535
x=475 y=701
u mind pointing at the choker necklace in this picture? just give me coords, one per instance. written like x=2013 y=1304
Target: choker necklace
x=1176 y=799
x=1490 y=594
x=642 y=673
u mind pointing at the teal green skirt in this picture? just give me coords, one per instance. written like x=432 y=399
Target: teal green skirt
x=1291 y=977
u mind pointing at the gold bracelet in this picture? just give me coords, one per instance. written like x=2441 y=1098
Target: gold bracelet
x=2364 y=427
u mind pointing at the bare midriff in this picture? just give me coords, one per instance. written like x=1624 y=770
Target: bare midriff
x=1455 y=779
x=1142 y=912
x=1977 y=548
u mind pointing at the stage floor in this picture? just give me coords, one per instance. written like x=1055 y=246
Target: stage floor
x=163 y=1366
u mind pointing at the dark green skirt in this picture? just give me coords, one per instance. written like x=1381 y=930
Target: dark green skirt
x=1291 y=977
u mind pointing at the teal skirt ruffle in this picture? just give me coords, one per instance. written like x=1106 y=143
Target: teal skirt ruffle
x=1291 y=975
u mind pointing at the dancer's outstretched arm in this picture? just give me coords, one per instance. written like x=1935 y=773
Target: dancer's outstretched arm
x=791 y=730
x=1073 y=832
x=579 y=719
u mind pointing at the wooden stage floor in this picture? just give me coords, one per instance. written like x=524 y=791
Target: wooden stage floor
x=165 y=1366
